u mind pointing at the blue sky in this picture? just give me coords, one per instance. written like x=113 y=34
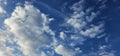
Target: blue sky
x=59 y=28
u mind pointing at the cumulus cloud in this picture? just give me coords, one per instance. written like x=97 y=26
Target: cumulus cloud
x=28 y=27
x=4 y=50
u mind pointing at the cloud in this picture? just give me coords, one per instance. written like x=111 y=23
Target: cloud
x=2 y=11
x=93 y=31
x=82 y=27
x=28 y=27
x=107 y=54
x=62 y=35
x=103 y=53
x=4 y=50
x=3 y=2
x=64 y=51
x=81 y=20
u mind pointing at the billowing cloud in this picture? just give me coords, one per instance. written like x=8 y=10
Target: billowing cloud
x=28 y=27
x=4 y=50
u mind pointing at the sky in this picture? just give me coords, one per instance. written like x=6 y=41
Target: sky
x=59 y=27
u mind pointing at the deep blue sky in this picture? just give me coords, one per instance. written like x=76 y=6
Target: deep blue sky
x=111 y=16
x=60 y=9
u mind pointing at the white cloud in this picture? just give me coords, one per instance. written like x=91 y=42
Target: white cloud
x=81 y=20
x=77 y=24
x=43 y=54
x=64 y=51
x=99 y=53
x=4 y=50
x=106 y=54
x=2 y=11
x=77 y=39
x=91 y=17
x=93 y=31
x=3 y=1
x=62 y=35
x=28 y=25
x=102 y=51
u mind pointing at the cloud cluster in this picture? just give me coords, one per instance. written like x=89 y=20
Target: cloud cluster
x=28 y=27
x=83 y=28
x=82 y=18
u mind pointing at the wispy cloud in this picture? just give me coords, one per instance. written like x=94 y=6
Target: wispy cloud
x=3 y=2
x=2 y=11
x=101 y=52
